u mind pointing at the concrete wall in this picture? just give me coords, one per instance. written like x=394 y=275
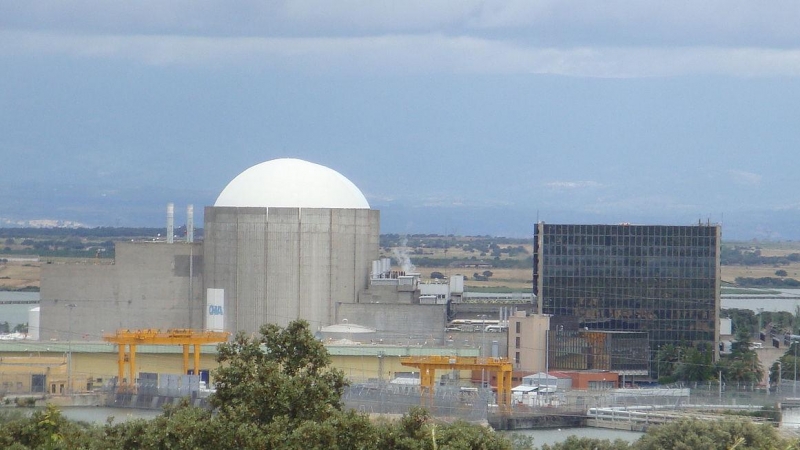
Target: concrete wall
x=387 y=294
x=398 y=323
x=280 y=264
x=150 y=285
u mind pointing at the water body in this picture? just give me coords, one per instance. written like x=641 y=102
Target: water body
x=99 y=415
x=785 y=300
x=554 y=436
x=16 y=314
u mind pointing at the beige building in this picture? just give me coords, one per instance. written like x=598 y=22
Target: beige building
x=527 y=341
x=41 y=367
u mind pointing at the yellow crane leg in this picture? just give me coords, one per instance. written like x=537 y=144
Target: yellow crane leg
x=197 y=359
x=121 y=363
x=132 y=367
x=185 y=359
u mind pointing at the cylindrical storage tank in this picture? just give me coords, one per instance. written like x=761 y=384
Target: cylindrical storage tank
x=387 y=265
x=33 y=323
x=376 y=269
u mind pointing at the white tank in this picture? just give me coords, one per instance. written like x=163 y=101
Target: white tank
x=33 y=323
x=376 y=269
x=456 y=284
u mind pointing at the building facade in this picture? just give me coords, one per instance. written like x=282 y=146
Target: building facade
x=149 y=285
x=527 y=341
x=623 y=352
x=275 y=265
x=662 y=280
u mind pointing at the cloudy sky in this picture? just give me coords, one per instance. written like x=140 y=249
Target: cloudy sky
x=471 y=117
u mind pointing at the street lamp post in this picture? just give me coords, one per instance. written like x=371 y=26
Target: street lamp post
x=69 y=350
x=794 y=386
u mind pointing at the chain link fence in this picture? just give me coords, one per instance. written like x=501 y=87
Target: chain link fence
x=446 y=403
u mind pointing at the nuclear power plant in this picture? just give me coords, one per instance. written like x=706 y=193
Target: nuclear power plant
x=285 y=239
x=288 y=239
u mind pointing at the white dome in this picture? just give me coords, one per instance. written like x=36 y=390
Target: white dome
x=291 y=183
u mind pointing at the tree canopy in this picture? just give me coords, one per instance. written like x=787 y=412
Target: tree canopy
x=278 y=391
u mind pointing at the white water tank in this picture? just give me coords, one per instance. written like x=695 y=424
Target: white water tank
x=33 y=324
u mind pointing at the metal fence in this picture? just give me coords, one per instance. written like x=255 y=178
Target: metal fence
x=447 y=402
x=475 y=406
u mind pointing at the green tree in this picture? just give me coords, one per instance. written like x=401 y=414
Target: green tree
x=684 y=363
x=282 y=373
x=695 y=364
x=576 y=443
x=47 y=429
x=713 y=435
x=667 y=358
x=742 y=364
x=788 y=362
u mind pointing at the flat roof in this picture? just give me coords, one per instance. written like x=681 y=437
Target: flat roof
x=29 y=346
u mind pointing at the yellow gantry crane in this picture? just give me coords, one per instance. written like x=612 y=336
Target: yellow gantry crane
x=427 y=366
x=184 y=337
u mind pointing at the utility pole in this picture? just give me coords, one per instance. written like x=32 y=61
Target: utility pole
x=483 y=344
x=69 y=350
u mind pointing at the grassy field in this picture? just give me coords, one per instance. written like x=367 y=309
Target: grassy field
x=18 y=275
x=730 y=273
x=15 y=276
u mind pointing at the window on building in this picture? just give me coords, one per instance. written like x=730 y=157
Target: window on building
x=517 y=342
x=518 y=326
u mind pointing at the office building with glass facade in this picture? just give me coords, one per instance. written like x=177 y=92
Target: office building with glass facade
x=662 y=280
x=622 y=352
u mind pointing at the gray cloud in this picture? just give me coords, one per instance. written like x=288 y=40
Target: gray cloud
x=583 y=38
x=738 y=23
x=434 y=53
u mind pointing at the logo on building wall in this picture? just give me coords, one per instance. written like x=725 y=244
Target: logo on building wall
x=215 y=310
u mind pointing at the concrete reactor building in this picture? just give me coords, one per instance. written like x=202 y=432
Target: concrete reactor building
x=285 y=239
x=288 y=239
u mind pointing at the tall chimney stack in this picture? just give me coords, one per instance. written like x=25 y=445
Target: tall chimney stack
x=190 y=223
x=170 y=222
